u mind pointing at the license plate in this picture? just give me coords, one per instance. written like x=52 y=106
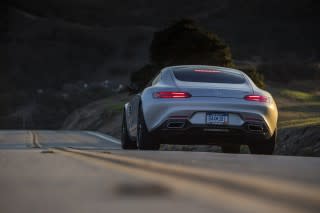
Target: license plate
x=216 y=118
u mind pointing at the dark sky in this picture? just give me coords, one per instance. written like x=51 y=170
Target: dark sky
x=115 y=12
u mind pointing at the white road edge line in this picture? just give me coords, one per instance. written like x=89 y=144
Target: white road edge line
x=105 y=137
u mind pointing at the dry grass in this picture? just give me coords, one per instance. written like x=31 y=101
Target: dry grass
x=299 y=95
x=298 y=103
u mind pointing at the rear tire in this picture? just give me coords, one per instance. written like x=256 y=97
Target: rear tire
x=231 y=149
x=265 y=148
x=145 y=141
x=126 y=142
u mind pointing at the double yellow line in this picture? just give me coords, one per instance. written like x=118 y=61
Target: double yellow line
x=34 y=140
x=235 y=192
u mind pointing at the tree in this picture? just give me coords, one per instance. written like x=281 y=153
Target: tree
x=184 y=42
x=252 y=72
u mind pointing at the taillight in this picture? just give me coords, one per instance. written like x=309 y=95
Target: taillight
x=258 y=98
x=169 y=94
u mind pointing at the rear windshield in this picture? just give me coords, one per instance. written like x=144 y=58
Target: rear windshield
x=208 y=76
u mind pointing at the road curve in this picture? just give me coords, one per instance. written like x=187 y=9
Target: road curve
x=82 y=171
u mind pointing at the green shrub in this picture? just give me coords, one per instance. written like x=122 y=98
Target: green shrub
x=256 y=76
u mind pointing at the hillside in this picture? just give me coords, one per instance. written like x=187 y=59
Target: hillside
x=76 y=40
x=103 y=115
x=299 y=119
x=46 y=45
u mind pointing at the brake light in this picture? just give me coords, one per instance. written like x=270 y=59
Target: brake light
x=258 y=98
x=169 y=94
x=207 y=71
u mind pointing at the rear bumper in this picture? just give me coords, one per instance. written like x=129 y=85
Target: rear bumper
x=211 y=134
x=157 y=112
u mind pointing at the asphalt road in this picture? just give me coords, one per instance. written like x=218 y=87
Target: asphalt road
x=79 y=171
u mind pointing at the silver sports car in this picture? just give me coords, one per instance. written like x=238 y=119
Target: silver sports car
x=196 y=104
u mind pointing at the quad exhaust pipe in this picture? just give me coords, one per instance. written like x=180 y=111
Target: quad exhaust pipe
x=175 y=124
x=255 y=128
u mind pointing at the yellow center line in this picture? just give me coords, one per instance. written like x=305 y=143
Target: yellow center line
x=34 y=140
x=208 y=185
x=30 y=142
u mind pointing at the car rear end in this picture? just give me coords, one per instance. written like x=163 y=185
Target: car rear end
x=208 y=105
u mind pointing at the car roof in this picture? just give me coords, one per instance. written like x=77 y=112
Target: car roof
x=176 y=68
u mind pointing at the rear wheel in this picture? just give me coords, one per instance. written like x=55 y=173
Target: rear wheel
x=126 y=142
x=231 y=148
x=265 y=148
x=145 y=141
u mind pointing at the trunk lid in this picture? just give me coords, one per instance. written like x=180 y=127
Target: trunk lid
x=197 y=89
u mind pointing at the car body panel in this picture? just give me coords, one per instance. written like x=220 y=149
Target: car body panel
x=206 y=97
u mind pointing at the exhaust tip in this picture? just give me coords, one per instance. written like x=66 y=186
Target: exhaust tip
x=175 y=124
x=255 y=127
